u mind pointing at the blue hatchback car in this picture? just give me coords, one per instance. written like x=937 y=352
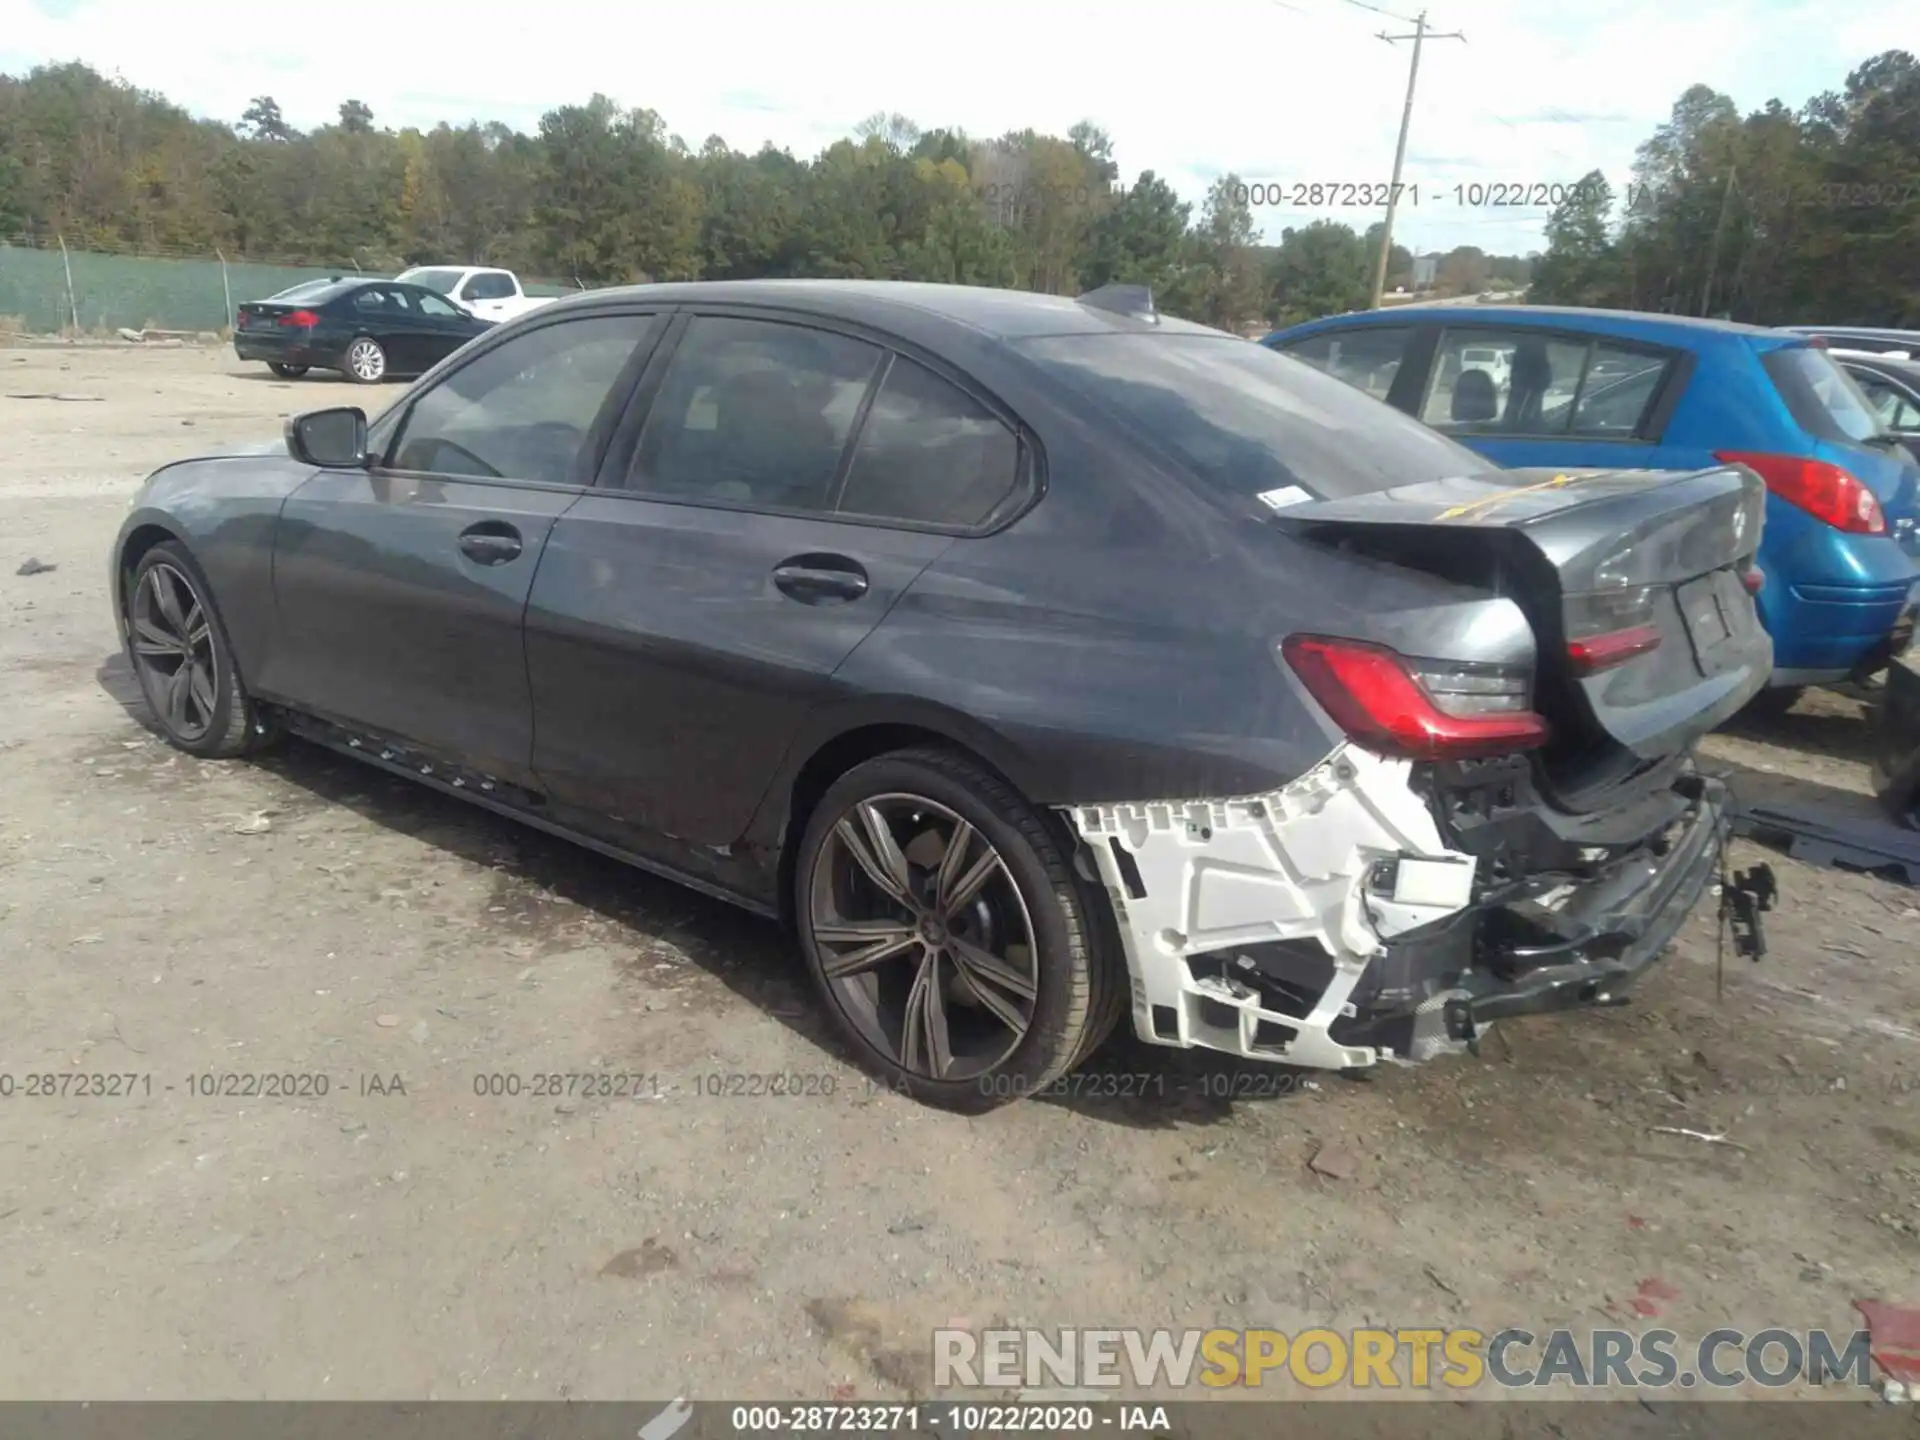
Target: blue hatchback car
x=1537 y=385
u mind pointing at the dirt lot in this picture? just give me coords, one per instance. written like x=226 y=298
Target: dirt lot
x=169 y=919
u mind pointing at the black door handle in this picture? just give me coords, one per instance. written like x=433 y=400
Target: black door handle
x=491 y=542
x=812 y=579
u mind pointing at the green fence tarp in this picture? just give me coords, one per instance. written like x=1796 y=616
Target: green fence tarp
x=137 y=292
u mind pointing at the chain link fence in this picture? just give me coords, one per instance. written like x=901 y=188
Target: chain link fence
x=44 y=290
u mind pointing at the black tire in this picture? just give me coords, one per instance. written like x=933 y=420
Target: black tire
x=223 y=722
x=1073 y=983
x=287 y=372
x=1898 y=789
x=1774 y=702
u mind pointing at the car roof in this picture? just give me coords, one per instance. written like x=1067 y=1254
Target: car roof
x=1903 y=366
x=1865 y=332
x=1002 y=314
x=1550 y=317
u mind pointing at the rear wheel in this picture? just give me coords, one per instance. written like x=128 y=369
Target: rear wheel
x=286 y=372
x=366 y=361
x=945 y=928
x=183 y=660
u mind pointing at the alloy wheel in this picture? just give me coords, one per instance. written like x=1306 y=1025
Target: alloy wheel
x=924 y=937
x=172 y=643
x=366 y=360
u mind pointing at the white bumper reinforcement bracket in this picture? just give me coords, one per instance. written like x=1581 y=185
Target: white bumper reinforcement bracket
x=1211 y=874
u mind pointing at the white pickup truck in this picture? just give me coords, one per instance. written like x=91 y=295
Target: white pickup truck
x=490 y=294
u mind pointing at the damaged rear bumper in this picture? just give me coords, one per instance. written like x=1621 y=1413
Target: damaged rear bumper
x=1330 y=924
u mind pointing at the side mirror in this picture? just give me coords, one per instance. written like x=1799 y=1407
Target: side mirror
x=334 y=439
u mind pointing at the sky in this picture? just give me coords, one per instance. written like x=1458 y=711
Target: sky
x=1539 y=93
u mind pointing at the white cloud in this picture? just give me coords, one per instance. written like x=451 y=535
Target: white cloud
x=1295 y=91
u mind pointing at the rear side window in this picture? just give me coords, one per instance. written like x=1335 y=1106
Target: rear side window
x=753 y=412
x=1367 y=357
x=930 y=453
x=1527 y=382
x=1819 y=395
x=1249 y=420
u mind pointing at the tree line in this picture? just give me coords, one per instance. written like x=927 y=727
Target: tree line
x=606 y=195
x=1775 y=217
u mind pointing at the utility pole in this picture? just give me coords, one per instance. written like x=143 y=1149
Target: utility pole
x=1719 y=227
x=1419 y=37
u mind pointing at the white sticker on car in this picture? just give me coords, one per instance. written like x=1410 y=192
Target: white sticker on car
x=1283 y=497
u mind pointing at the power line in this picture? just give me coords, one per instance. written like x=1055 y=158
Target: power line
x=1419 y=37
x=1391 y=15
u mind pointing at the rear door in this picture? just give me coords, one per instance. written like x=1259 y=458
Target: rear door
x=778 y=488
x=1525 y=397
x=399 y=590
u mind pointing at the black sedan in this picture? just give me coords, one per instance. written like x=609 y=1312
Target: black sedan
x=368 y=330
x=1040 y=661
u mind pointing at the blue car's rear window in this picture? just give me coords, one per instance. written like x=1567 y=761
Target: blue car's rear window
x=1821 y=396
x=1248 y=419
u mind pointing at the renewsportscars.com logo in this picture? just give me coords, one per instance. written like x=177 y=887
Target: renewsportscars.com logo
x=1378 y=1359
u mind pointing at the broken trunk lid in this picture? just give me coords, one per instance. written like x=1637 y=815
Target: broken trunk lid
x=1632 y=580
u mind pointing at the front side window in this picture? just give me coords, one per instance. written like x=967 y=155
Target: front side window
x=522 y=410
x=753 y=412
x=434 y=305
x=1367 y=357
x=929 y=453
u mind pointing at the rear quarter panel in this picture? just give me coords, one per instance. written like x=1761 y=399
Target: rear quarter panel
x=1120 y=641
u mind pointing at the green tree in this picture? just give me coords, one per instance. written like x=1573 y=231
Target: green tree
x=1579 y=266
x=1320 y=269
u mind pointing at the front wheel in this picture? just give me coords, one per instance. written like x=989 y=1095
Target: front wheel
x=366 y=361
x=286 y=372
x=184 y=661
x=946 y=931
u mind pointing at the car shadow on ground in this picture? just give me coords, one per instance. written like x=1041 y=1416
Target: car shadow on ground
x=1830 y=732
x=1125 y=1082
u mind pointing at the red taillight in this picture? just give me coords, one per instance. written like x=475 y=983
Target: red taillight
x=301 y=319
x=1824 y=491
x=1386 y=702
x=1595 y=653
x=1754 y=578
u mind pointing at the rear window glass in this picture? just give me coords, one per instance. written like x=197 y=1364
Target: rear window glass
x=305 y=290
x=1250 y=420
x=1820 y=395
x=441 y=280
x=318 y=293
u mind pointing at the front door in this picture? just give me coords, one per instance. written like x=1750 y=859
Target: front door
x=400 y=590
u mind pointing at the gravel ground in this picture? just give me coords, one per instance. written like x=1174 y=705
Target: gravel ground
x=404 y=1236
